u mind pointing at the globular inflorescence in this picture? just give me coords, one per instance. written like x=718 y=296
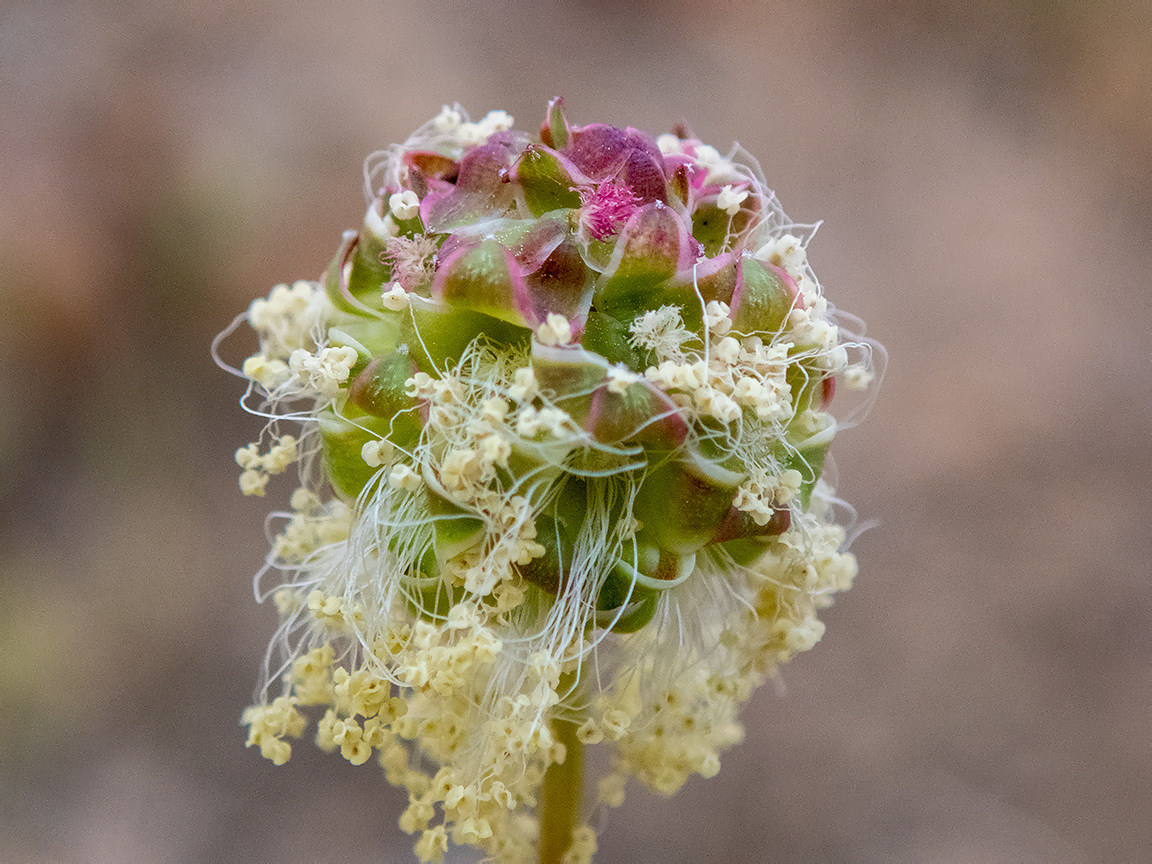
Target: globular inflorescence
x=559 y=415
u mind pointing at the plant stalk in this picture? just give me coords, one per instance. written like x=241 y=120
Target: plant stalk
x=560 y=798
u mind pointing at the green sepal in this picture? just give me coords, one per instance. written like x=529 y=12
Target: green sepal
x=378 y=335
x=614 y=593
x=608 y=337
x=809 y=461
x=815 y=431
x=716 y=230
x=409 y=227
x=554 y=131
x=762 y=302
x=334 y=276
x=710 y=226
x=716 y=279
x=379 y=390
x=810 y=464
x=484 y=278
x=563 y=285
x=556 y=531
x=570 y=505
x=547 y=182
x=642 y=413
x=653 y=247
x=549 y=571
x=342 y=441
x=597 y=254
x=632 y=594
x=619 y=588
x=569 y=376
x=481 y=191
x=428 y=597
x=679 y=186
x=802 y=383
x=454 y=529
x=340 y=339
x=712 y=432
x=443 y=335
x=744 y=551
x=433 y=602
x=658 y=569
x=543 y=459
x=370 y=271
x=531 y=241
x=682 y=502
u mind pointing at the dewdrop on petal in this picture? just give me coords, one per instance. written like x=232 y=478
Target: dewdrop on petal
x=556 y=417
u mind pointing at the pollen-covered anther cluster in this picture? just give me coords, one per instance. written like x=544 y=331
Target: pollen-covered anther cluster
x=312 y=525
x=564 y=407
x=287 y=320
x=256 y=467
x=324 y=371
x=737 y=374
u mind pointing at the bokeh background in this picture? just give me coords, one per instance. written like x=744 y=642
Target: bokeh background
x=984 y=693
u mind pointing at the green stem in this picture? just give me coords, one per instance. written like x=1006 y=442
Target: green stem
x=560 y=797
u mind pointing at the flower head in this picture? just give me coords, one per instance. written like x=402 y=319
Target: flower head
x=563 y=409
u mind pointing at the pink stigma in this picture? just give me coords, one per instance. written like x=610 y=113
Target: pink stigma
x=606 y=208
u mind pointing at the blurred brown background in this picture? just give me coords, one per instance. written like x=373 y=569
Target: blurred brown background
x=984 y=692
